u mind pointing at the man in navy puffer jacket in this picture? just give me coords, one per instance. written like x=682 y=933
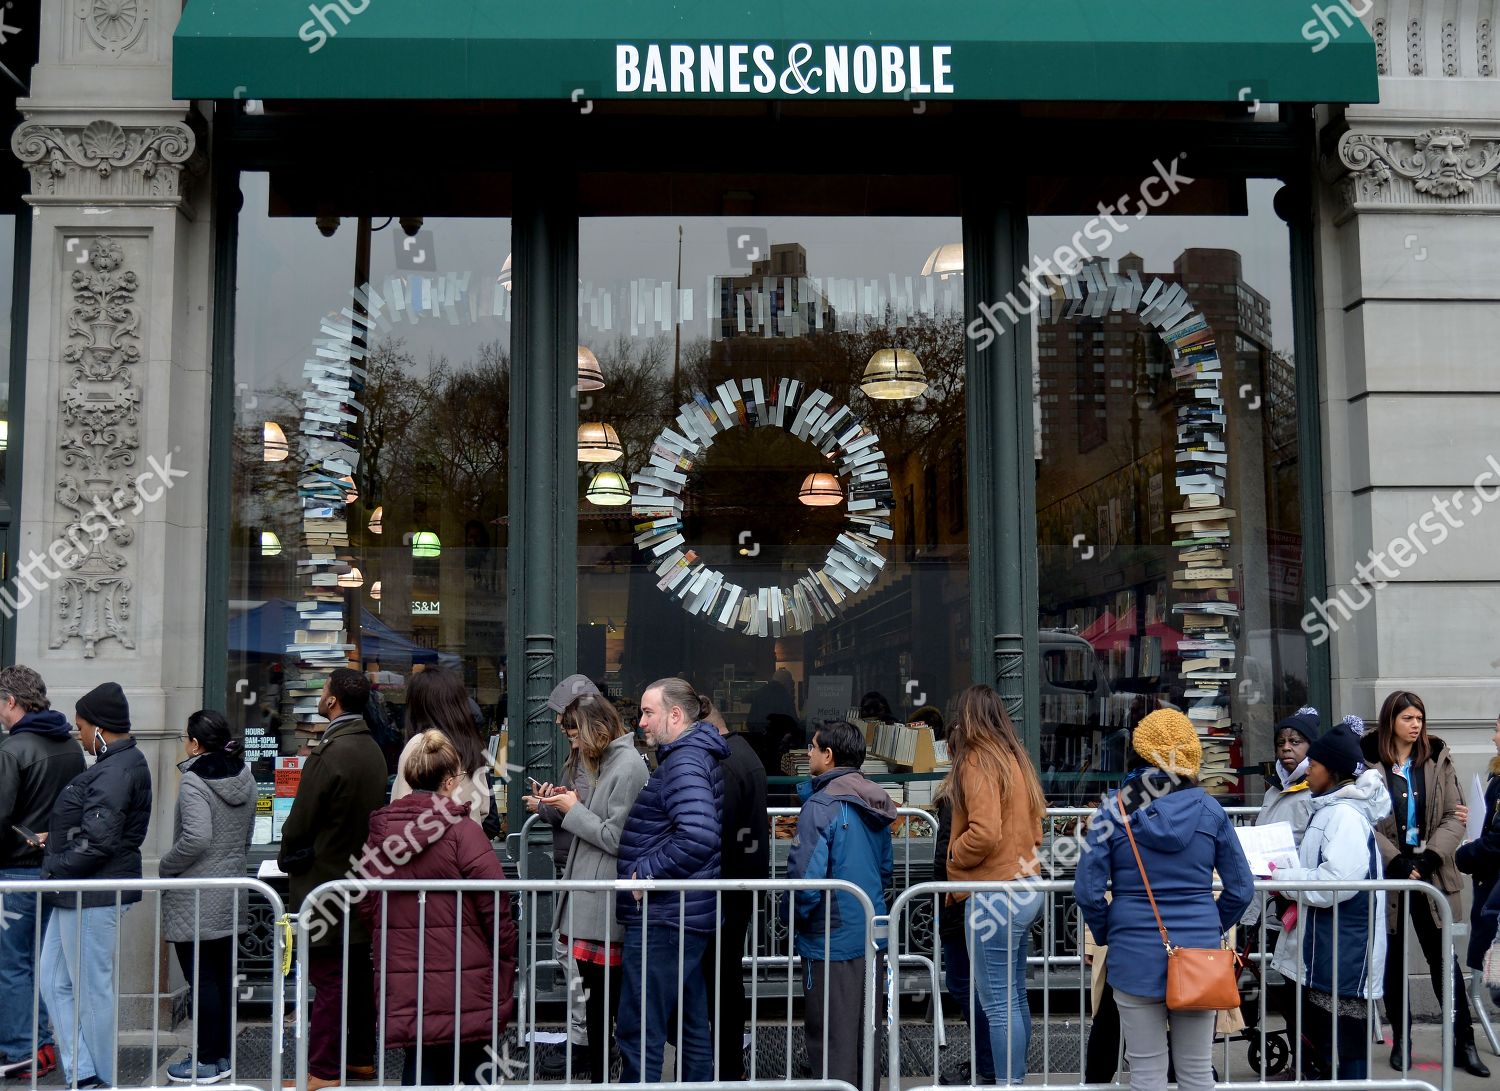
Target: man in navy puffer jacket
x=674 y=832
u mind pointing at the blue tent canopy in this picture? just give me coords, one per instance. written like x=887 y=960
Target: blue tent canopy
x=270 y=627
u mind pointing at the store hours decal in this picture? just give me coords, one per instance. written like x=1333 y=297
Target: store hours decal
x=853 y=561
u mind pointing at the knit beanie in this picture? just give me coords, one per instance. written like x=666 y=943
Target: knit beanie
x=1356 y=724
x=1167 y=740
x=1305 y=722
x=105 y=707
x=1338 y=751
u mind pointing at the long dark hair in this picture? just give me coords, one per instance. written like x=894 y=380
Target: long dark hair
x=597 y=724
x=1385 y=737
x=437 y=699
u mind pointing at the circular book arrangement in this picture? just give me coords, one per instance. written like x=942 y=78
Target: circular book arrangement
x=853 y=561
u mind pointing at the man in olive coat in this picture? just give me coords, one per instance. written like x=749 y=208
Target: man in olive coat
x=343 y=781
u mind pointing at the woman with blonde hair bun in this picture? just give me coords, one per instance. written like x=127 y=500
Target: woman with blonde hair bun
x=457 y=952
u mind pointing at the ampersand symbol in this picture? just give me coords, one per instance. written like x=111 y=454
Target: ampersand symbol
x=800 y=54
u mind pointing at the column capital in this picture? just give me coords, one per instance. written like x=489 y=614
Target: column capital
x=99 y=161
x=1416 y=167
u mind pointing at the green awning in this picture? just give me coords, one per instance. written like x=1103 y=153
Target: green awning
x=1092 y=50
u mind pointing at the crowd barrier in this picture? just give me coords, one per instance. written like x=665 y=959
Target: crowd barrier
x=904 y=1038
x=160 y=1022
x=1270 y=1052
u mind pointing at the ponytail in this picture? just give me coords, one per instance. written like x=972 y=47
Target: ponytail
x=680 y=692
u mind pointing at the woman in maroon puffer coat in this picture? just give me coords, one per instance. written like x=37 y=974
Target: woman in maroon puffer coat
x=427 y=835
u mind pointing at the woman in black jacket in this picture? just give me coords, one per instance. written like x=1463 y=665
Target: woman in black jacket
x=1481 y=860
x=97 y=827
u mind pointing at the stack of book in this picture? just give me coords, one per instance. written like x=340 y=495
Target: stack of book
x=1203 y=581
x=853 y=562
x=1204 y=595
x=330 y=452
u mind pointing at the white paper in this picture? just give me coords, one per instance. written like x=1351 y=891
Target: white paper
x=1264 y=845
x=269 y=870
x=1476 y=810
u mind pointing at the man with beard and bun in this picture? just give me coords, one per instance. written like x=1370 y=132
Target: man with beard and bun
x=675 y=831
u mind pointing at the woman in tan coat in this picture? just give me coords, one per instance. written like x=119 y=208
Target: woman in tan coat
x=1418 y=841
x=998 y=810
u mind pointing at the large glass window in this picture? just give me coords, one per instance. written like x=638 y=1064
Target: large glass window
x=784 y=406
x=1168 y=512
x=368 y=509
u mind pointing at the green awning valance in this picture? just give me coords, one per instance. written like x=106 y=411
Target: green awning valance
x=1109 y=50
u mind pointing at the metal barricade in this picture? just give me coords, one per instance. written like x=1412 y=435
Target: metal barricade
x=1247 y=1057
x=65 y=968
x=511 y=1053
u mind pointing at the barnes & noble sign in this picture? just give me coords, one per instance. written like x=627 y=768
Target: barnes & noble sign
x=761 y=69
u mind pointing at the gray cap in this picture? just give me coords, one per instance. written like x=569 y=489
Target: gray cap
x=569 y=690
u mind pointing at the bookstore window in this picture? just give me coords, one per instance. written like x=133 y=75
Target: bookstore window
x=371 y=424
x=771 y=477
x=1169 y=521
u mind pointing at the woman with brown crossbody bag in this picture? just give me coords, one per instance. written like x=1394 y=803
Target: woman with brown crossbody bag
x=1163 y=925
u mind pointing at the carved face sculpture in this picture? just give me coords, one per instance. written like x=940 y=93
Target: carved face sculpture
x=1443 y=155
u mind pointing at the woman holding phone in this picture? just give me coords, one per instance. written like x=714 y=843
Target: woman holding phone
x=585 y=920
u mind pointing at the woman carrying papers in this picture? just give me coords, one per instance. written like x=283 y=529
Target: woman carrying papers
x=1338 y=845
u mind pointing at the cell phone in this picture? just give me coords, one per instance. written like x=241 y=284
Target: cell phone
x=27 y=836
x=536 y=785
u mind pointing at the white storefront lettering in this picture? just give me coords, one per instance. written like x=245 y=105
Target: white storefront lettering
x=680 y=68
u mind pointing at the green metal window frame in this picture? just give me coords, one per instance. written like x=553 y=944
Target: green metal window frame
x=20 y=314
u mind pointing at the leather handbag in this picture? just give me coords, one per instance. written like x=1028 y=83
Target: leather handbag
x=1198 y=978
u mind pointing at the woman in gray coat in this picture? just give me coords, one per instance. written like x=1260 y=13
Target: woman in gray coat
x=585 y=920
x=210 y=837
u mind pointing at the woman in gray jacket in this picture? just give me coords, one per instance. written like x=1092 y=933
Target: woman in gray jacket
x=210 y=837
x=585 y=920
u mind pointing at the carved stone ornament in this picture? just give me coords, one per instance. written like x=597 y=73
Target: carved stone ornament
x=1434 y=169
x=106 y=163
x=114 y=26
x=98 y=443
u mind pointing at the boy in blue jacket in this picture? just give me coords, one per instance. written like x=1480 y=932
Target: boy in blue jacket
x=843 y=832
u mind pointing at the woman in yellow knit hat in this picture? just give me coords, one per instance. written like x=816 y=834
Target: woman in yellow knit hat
x=1183 y=836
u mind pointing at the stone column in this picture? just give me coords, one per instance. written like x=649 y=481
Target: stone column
x=114 y=500
x=1409 y=321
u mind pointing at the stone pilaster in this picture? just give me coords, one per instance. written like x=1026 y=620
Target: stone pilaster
x=1409 y=316
x=114 y=505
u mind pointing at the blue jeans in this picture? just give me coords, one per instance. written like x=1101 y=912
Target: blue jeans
x=78 y=976
x=956 y=971
x=19 y=945
x=651 y=961
x=999 y=931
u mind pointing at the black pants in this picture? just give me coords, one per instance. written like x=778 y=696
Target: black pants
x=329 y=1036
x=839 y=986
x=723 y=957
x=437 y=1065
x=600 y=1007
x=1428 y=937
x=1102 y=1054
x=214 y=994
